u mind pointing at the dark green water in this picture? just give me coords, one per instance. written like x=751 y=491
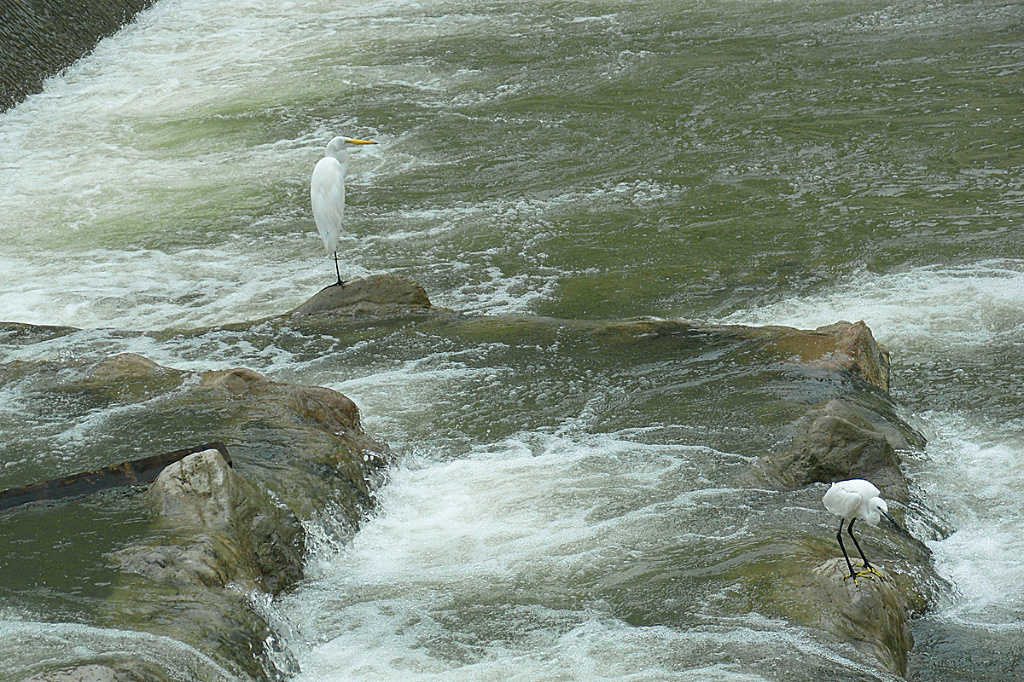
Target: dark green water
x=761 y=162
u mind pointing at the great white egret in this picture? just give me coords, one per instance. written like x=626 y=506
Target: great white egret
x=327 y=193
x=856 y=499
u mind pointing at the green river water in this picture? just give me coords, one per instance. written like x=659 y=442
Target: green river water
x=552 y=516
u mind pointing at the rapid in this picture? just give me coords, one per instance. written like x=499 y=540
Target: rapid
x=727 y=161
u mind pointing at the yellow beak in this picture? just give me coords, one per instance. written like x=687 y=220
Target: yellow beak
x=351 y=141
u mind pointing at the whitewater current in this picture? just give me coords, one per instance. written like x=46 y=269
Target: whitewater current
x=733 y=162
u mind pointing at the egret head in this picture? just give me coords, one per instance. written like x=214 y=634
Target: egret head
x=878 y=508
x=339 y=146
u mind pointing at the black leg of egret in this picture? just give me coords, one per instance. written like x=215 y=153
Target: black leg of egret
x=849 y=529
x=338 y=270
x=839 y=536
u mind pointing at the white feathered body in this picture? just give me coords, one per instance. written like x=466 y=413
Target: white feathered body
x=855 y=499
x=327 y=194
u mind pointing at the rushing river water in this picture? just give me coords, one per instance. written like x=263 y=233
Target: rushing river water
x=723 y=161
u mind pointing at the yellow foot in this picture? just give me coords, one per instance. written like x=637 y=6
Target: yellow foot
x=869 y=573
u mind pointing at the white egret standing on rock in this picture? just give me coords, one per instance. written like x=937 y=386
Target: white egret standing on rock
x=856 y=499
x=327 y=194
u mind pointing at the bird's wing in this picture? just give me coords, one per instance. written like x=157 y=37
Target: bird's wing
x=866 y=489
x=327 y=194
x=842 y=502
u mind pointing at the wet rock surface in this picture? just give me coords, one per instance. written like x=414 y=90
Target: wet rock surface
x=828 y=388
x=376 y=295
x=817 y=398
x=42 y=37
x=872 y=611
x=122 y=671
x=227 y=531
x=847 y=347
x=305 y=445
x=217 y=540
x=838 y=440
x=219 y=534
x=856 y=435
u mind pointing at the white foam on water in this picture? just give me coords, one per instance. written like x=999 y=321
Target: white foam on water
x=148 y=289
x=938 y=305
x=490 y=566
x=522 y=497
x=30 y=647
x=389 y=399
x=516 y=510
x=973 y=474
x=598 y=648
x=85 y=193
x=138 y=191
x=142 y=173
x=98 y=170
x=500 y=294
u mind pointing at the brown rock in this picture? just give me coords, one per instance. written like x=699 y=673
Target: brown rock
x=227 y=531
x=329 y=460
x=844 y=346
x=237 y=382
x=125 y=365
x=128 y=376
x=830 y=447
x=374 y=295
x=869 y=612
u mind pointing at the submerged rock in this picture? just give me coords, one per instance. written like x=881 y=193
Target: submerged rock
x=854 y=435
x=121 y=671
x=82 y=484
x=300 y=454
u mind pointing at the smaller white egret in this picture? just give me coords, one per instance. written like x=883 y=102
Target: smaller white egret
x=327 y=194
x=856 y=499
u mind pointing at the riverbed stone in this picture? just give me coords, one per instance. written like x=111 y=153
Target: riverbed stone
x=133 y=377
x=848 y=347
x=801 y=576
x=221 y=533
x=376 y=295
x=120 y=671
x=228 y=532
x=304 y=444
x=857 y=435
x=871 y=611
x=836 y=441
x=845 y=348
x=820 y=395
